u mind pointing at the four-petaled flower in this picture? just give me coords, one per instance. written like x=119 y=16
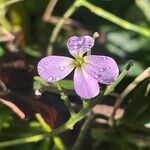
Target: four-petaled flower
x=89 y=70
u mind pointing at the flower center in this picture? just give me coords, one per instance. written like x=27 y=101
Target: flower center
x=79 y=61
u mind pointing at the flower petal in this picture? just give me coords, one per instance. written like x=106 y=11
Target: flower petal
x=79 y=45
x=54 y=68
x=85 y=85
x=102 y=68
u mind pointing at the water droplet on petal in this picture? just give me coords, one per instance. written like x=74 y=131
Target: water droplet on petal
x=62 y=68
x=101 y=69
x=46 y=63
x=96 y=76
x=93 y=73
x=104 y=58
x=50 y=79
x=107 y=67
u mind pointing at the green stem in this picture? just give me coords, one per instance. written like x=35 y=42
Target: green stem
x=44 y=125
x=65 y=98
x=83 y=132
x=59 y=25
x=115 y=19
x=58 y=142
x=25 y=140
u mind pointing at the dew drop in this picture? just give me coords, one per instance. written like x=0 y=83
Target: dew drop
x=107 y=67
x=93 y=73
x=62 y=68
x=104 y=58
x=50 y=79
x=96 y=76
x=101 y=69
x=46 y=63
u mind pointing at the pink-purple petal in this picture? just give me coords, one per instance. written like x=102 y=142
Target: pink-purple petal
x=55 y=68
x=103 y=68
x=85 y=85
x=80 y=45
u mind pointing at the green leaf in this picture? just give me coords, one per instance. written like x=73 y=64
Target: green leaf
x=125 y=41
x=39 y=83
x=67 y=84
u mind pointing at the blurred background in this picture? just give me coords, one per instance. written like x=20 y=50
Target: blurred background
x=31 y=29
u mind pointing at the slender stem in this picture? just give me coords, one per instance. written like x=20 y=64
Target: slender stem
x=59 y=25
x=48 y=12
x=44 y=125
x=65 y=98
x=58 y=142
x=115 y=19
x=83 y=131
x=25 y=140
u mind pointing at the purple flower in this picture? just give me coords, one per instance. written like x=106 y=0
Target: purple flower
x=89 y=70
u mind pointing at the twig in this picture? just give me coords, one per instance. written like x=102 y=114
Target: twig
x=145 y=74
x=59 y=25
x=48 y=17
x=83 y=131
x=13 y=107
x=48 y=12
